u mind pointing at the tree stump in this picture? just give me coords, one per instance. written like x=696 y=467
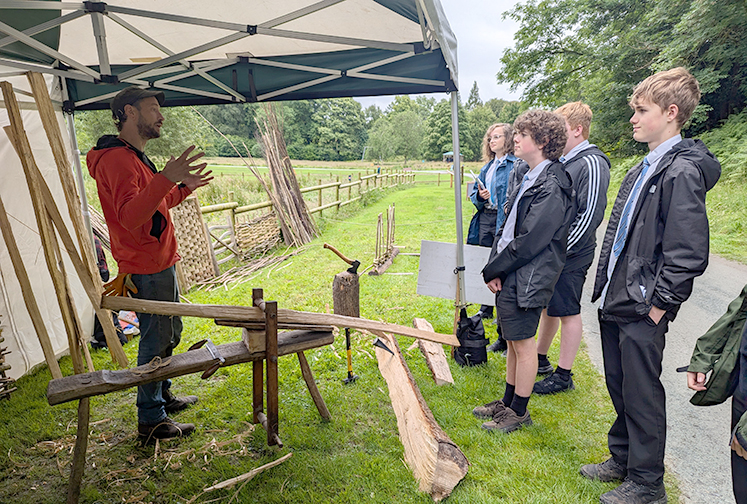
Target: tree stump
x=346 y=294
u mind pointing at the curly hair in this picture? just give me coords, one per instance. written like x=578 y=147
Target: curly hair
x=547 y=130
x=508 y=141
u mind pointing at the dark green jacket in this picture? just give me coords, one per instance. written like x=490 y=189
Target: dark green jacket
x=718 y=350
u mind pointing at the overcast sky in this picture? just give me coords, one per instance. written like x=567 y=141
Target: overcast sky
x=481 y=38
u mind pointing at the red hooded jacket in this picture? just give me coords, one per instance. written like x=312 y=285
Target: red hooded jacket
x=135 y=199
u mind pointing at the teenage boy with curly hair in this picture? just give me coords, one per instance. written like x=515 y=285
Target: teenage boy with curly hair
x=527 y=258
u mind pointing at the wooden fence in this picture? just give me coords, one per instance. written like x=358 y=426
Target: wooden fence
x=226 y=241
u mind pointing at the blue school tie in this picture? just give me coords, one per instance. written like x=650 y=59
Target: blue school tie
x=562 y=159
x=622 y=230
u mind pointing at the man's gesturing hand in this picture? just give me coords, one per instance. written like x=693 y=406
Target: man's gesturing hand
x=181 y=169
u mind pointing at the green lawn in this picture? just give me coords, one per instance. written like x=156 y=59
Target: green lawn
x=355 y=458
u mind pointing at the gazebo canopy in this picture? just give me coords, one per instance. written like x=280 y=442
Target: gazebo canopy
x=231 y=51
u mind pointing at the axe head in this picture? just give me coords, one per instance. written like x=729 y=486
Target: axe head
x=354 y=267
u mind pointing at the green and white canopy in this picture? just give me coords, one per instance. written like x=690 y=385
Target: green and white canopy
x=230 y=51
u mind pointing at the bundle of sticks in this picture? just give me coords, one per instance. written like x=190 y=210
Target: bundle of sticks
x=245 y=272
x=295 y=221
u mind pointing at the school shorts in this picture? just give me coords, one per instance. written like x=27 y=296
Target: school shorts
x=566 y=299
x=516 y=323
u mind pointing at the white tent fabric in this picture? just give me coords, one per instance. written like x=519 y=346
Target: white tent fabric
x=18 y=331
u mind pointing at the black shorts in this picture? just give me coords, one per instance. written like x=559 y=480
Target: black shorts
x=516 y=323
x=566 y=299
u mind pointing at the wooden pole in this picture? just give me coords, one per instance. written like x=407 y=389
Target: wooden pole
x=79 y=455
x=311 y=385
x=28 y=294
x=72 y=327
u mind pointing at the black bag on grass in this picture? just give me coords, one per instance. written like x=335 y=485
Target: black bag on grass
x=471 y=336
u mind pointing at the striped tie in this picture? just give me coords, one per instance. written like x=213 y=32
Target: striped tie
x=622 y=230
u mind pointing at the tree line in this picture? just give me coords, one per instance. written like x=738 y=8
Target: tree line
x=564 y=50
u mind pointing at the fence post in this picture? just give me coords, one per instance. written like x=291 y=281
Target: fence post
x=439 y=179
x=320 y=196
x=337 y=192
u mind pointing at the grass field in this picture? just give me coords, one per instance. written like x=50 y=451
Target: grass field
x=355 y=458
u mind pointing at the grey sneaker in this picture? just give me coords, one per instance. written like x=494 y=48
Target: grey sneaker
x=553 y=384
x=631 y=492
x=545 y=369
x=609 y=470
x=489 y=410
x=508 y=421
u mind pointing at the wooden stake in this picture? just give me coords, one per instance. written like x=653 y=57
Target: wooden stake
x=45 y=232
x=28 y=294
x=79 y=455
x=313 y=389
x=90 y=271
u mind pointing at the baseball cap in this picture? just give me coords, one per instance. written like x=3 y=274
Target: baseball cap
x=131 y=95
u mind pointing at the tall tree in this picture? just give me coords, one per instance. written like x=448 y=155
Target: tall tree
x=473 y=100
x=340 y=129
x=407 y=128
x=437 y=137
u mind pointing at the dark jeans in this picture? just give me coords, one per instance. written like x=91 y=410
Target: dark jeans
x=159 y=335
x=632 y=367
x=738 y=464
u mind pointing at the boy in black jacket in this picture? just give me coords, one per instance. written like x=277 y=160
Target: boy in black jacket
x=589 y=169
x=527 y=257
x=655 y=245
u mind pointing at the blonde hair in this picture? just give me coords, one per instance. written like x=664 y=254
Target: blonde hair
x=508 y=141
x=577 y=114
x=670 y=87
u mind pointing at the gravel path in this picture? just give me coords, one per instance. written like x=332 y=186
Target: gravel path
x=697 y=437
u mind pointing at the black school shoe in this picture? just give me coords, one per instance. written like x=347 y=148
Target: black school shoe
x=631 y=492
x=609 y=470
x=164 y=430
x=498 y=346
x=176 y=404
x=553 y=384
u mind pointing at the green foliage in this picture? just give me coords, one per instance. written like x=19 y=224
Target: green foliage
x=479 y=120
x=438 y=138
x=473 y=100
x=597 y=50
x=729 y=143
x=340 y=129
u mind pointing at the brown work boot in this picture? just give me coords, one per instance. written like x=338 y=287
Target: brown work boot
x=164 y=430
x=609 y=470
x=508 y=421
x=176 y=404
x=489 y=410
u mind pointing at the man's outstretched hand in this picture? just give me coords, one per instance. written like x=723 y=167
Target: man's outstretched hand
x=183 y=170
x=120 y=286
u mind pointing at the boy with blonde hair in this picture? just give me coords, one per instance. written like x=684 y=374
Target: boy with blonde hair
x=655 y=245
x=589 y=169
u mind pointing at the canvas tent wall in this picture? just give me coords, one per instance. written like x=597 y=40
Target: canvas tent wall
x=232 y=51
x=18 y=330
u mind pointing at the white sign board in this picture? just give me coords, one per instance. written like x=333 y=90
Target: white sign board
x=436 y=275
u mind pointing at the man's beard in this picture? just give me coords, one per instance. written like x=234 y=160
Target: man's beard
x=147 y=131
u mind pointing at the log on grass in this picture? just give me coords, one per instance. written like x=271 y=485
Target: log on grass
x=434 y=355
x=194 y=361
x=252 y=314
x=380 y=269
x=436 y=462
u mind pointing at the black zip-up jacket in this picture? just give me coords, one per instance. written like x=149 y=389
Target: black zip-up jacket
x=537 y=252
x=667 y=243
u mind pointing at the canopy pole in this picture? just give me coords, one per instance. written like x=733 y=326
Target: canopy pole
x=70 y=119
x=459 y=301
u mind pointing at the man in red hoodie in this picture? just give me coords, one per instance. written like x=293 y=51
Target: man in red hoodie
x=135 y=198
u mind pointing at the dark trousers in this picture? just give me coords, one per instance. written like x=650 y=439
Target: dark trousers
x=738 y=464
x=159 y=335
x=632 y=367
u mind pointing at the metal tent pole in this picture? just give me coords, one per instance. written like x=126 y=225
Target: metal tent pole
x=459 y=301
x=70 y=119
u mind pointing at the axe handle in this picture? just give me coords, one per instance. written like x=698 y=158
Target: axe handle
x=339 y=254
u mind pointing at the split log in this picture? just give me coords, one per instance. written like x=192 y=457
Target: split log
x=436 y=462
x=251 y=314
x=195 y=361
x=434 y=355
